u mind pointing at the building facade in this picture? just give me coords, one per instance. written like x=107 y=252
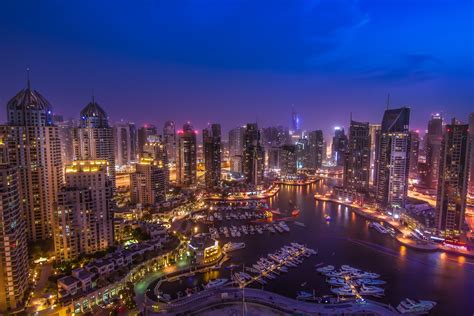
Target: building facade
x=253 y=156
x=169 y=138
x=236 y=148
x=126 y=143
x=288 y=161
x=148 y=183
x=433 y=139
x=339 y=146
x=414 y=153
x=186 y=159
x=212 y=147
x=316 y=149
x=357 y=165
x=143 y=133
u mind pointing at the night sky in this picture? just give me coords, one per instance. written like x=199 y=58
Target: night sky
x=235 y=61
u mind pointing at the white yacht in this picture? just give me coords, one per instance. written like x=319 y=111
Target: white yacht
x=378 y=227
x=361 y=282
x=231 y=246
x=348 y=268
x=417 y=307
x=216 y=283
x=336 y=281
x=325 y=269
x=345 y=290
x=371 y=290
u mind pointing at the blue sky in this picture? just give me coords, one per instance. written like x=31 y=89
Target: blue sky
x=234 y=61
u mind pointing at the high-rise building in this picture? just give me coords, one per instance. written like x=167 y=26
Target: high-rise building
x=66 y=139
x=13 y=234
x=433 y=140
x=357 y=166
x=253 y=156
x=288 y=161
x=316 y=149
x=236 y=148
x=414 y=152
x=393 y=155
x=471 y=168
x=34 y=147
x=339 y=146
x=295 y=121
x=155 y=148
x=302 y=153
x=374 y=139
x=148 y=182
x=169 y=137
x=186 y=159
x=143 y=133
x=83 y=215
x=125 y=139
x=211 y=140
x=453 y=179
x=93 y=139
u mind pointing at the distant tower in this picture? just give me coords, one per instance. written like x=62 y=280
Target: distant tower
x=339 y=146
x=471 y=168
x=148 y=183
x=211 y=140
x=125 y=140
x=433 y=139
x=295 y=120
x=143 y=133
x=34 y=147
x=253 y=163
x=316 y=149
x=169 y=137
x=93 y=139
x=357 y=166
x=453 y=179
x=236 y=148
x=414 y=152
x=374 y=139
x=186 y=158
x=288 y=161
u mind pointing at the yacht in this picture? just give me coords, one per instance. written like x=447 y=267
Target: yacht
x=370 y=282
x=365 y=275
x=378 y=227
x=417 y=307
x=216 y=283
x=336 y=281
x=345 y=290
x=231 y=246
x=371 y=290
x=349 y=268
x=325 y=269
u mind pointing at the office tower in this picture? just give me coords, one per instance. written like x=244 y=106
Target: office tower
x=393 y=155
x=125 y=139
x=186 y=158
x=169 y=137
x=453 y=179
x=211 y=142
x=273 y=138
x=13 y=234
x=357 y=166
x=93 y=139
x=155 y=148
x=433 y=140
x=236 y=148
x=316 y=149
x=288 y=161
x=66 y=140
x=34 y=147
x=83 y=215
x=143 y=133
x=253 y=157
x=374 y=138
x=471 y=168
x=339 y=146
x=148 y=182
x=295 y=121
x=302 y=153
x=414 y=153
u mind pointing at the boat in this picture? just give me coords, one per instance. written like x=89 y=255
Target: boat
x=345 y=290
x=371 y=290
x=216 y=283
x=365 y=275
x=231 y=246
x=370 y=282
x=325 y=269
x=305 y=296
x=417 y=307
x=295 y=212
x=378 y=227
x=348 y=268
x=336 y=281
x=327 y=218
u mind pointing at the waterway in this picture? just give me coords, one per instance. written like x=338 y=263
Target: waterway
x=347 y=239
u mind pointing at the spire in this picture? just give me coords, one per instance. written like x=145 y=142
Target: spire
x=28 y=85
x=388 y=101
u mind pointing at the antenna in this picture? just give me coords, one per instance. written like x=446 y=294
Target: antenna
x=28 y=85
x=388 y=101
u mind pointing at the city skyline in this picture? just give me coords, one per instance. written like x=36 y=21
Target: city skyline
x=325 y=67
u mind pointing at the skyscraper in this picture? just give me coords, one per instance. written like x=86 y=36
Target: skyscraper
x=236 y=148
x=93 y=139
x=148 y=182
x=414 y=152
x=316 y=149
x=125 y=140
x=453 y=179
x=13 y=234
x=186 y=159
x=155 y=149
x=34 y=147
x=288 y=161
x=393 y=159
x=211 y=139
x=433 y=140
x=66 y=139
x=302 y=153
x=143 y=133
x=471 y=168
x=253 y=158
x=295 y=121
x=339 y=146
x=83 y=215
x=357 y=166
x=169 y=137
x=374 y=139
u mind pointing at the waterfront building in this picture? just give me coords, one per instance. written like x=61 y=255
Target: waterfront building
x=13 y=235
x=374 y=130
x=453 y=179
x=433 y=140
x=236 y=148
x=273 y=138
x=316 y=149
x=125 y=139
x=204 y=249
x=34 y=147
x=414 y=153
x=288 y=161
x=148 y=183
x=169 y=138
x=302 y=153
x=471 y=167
x=83 y=214
x=211 y=139
x=186 y=158
x=143 y=133
x=393 y=155
x=253 y=156
x=357 y=166
x=339 y=146
x=93 y=139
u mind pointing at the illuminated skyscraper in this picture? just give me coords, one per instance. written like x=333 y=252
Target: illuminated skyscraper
x=143 y=133
x=236 y=148
x=471 y=168
x=83 y=215
x=295 y=121
x=211 y=140
x=357 y=166
x=339 y=146
x=169 y=137
x=186 y=159
x=288 y=161
x=453 y=179
x=393 y=159
x=316 y=149
x=433 y=140
x=374 y=139
x=125 y=140
x=13 y=234
x=34 y=147
x=155 y=148
x=148 y=183
x=66 y=139
x=93 y=139
x=253 y=163
x=414 y=152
